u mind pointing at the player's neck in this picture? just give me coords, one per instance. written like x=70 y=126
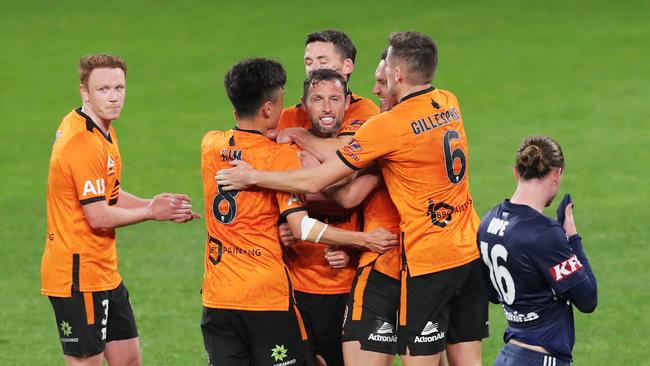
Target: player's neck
x=531 y=193
x=407 y=90
x=103 y=125
x=253 y=124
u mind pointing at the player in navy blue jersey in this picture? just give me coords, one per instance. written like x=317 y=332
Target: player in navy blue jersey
x=535 y=266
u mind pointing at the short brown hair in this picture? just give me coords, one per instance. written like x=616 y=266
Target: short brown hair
x=342 y=43
x=537 y=155
x=319 y=75
x=417 y=52
x=87 y=64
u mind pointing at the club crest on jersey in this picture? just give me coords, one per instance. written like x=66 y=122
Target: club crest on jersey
x=566 y=268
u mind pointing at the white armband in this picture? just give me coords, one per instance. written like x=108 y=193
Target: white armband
x=311 y=229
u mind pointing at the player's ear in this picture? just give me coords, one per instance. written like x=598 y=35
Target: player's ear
x=515 y=173
x=84 y=93
x=348 y=66
x=267 y=109
x=399 y=75
x=347 y=101
x=302 y=100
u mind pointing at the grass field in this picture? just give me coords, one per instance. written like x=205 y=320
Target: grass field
x=574 y=70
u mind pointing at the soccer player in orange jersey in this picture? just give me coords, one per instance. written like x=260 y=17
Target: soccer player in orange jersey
x=249 y=316
x=330 y=49
x=321 y=275
x=85 y=203
x=422 y=151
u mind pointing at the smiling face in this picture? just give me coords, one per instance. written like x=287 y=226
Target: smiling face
x=104 y=92
x=326 y=103
x=386 y=100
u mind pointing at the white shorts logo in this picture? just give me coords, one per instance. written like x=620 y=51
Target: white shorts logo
x=429 y=328
x=430 y=333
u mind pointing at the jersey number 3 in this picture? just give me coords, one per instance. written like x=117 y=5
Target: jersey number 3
x=224 y=206
x=501 y=279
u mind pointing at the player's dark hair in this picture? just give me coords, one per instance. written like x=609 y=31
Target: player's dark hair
x=383 y=54
x=417 y=53
x=319 y=75
x=88 y=63
x=253 y=82
x=537 y=155
x=342 y=43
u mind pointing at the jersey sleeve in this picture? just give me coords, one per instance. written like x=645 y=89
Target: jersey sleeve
x=87 y=164
x=360 y=110
x=553 y=256
x=350 y=127
x=372 y=141
x=287 y=158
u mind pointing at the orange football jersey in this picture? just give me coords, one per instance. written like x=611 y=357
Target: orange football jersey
x=379 y=211
x=310 y=271
x=359 y=111
x=422 y=150
x=243 y=258
x=85 y=167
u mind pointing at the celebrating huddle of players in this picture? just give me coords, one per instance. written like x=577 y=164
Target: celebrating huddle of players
x=337 y=232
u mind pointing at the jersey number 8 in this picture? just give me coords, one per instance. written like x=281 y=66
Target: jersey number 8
x=231 y=212
x=501 y=279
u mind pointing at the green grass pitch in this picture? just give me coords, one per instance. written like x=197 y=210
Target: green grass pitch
x=575 y=70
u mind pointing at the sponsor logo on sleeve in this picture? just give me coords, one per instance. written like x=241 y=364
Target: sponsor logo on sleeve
x=352 y=149
x=566 y=268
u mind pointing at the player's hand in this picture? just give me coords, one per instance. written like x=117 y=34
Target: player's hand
x=272 y=134
x=286 y=235
x=308 y=160
x=336 y=258
x=569 y=223
x=380 y=240
x=184 y=212
x=288 y=135
x=237 y=178
x=168 y=206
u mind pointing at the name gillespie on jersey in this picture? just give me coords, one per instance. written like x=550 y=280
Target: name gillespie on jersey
x=430 y=122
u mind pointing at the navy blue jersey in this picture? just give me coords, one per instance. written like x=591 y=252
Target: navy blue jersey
x=529 y=268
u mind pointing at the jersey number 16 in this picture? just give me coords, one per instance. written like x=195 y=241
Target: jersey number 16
x=501 y=279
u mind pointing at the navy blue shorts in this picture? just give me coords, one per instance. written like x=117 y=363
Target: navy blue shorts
x=512 y=355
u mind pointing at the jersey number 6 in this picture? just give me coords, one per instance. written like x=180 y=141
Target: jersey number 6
x=501 y=279
x=452 y=155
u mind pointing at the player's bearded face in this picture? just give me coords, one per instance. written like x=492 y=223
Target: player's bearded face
x=386 y=100
x=105 y=92
x=326 y=104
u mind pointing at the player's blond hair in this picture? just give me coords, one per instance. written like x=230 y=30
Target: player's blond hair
x=88 y=63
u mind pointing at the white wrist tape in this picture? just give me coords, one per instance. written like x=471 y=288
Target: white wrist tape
x=311 y=229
